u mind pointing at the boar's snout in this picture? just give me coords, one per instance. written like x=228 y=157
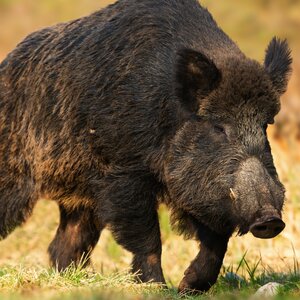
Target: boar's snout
x=267 y=228
x=258 y=197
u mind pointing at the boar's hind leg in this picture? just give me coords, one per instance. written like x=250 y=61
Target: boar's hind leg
x=132 y=217
x=204 y=269
x=76 y=237
x=17 y=199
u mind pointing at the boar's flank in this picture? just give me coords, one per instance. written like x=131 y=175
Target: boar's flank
x=141 y=101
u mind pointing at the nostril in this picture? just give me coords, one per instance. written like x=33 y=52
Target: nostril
x=261 y=228
x=268 y=228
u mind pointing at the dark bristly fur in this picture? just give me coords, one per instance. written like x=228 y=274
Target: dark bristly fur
x=141 y=102
x=278 y=62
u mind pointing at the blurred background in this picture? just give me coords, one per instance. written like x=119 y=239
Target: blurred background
x=251 y=24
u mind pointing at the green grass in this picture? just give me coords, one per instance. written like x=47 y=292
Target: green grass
x=41 y=283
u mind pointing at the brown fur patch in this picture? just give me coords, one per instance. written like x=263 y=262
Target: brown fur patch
x=152 y=259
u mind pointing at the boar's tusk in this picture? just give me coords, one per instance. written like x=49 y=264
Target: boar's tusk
x=232 y=195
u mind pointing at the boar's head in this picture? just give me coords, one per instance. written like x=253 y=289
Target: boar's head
x=219 y=169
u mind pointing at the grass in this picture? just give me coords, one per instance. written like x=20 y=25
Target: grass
x=37 y=282
x=31 y=283
x=24 y=271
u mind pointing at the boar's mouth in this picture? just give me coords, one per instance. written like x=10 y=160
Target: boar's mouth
x=268 y=228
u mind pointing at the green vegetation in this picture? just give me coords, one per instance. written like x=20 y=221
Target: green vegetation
x=40 y=283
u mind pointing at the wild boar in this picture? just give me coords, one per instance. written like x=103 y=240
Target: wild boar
x=143 y=102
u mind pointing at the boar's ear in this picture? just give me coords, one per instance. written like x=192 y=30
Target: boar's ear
x=196 y=76
x=278 y=62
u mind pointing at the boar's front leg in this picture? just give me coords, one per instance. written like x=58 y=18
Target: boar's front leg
x=204 y=269
x=129 y=207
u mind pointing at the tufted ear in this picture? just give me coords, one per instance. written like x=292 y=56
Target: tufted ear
x=278 y=62
x=196 y=77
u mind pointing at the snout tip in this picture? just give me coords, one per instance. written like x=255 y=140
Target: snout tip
x=267 y=229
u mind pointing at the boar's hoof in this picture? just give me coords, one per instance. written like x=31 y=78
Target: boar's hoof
x=190 y=285
x=268 y=228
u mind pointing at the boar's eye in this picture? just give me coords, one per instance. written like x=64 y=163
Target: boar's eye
x=219 y=129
